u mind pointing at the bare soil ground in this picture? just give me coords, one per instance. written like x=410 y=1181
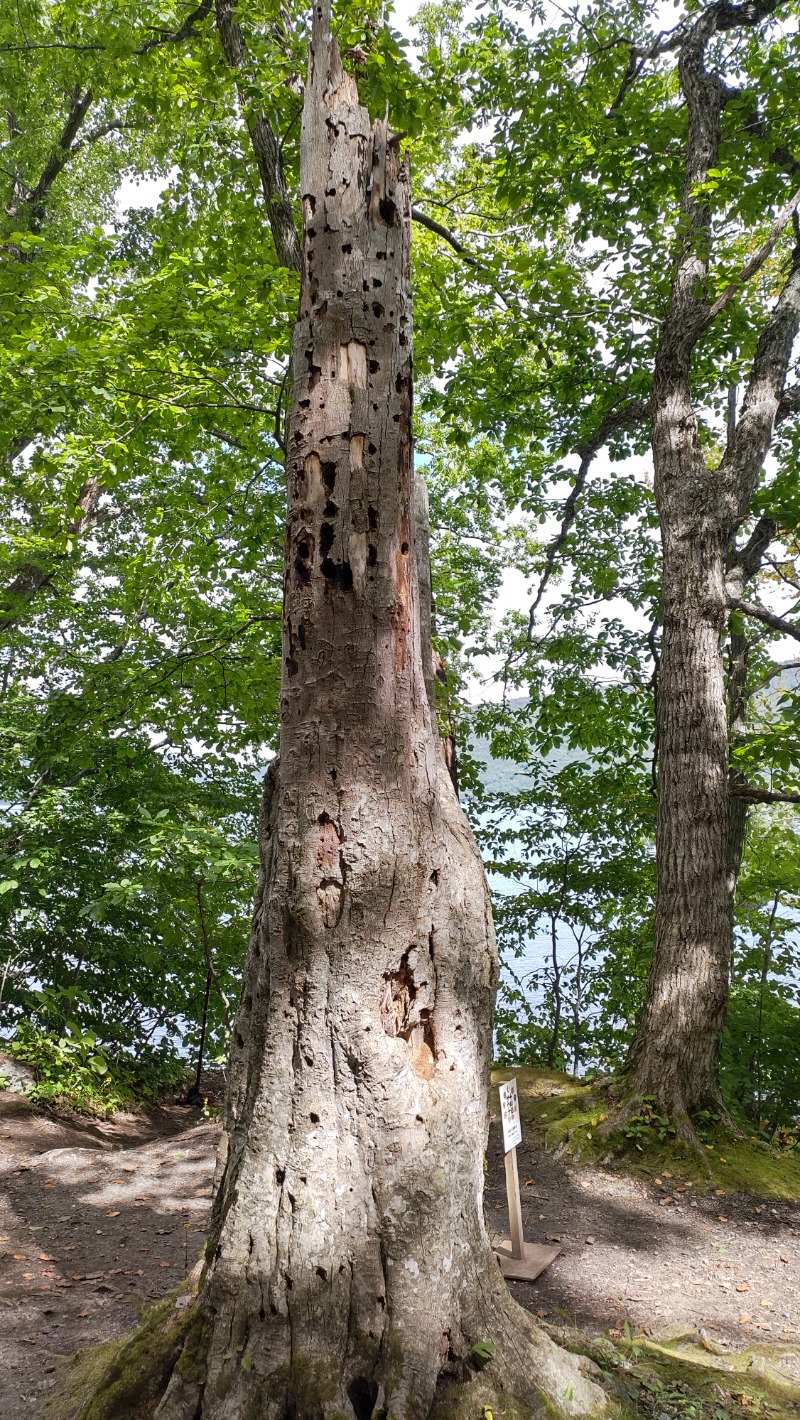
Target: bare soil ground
x=97 y=1219
x=656 y=1257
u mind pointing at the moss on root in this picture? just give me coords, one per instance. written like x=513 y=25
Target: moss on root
x=570 y=1114
x=77 y=1377
x=483 y=1398
x=685 y=1380
x=139 y=1371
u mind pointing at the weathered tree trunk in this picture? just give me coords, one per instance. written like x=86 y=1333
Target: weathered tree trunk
x=350 y=1272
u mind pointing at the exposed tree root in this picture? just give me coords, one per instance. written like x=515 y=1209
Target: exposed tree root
x=168 y=1340
x=632 y=1094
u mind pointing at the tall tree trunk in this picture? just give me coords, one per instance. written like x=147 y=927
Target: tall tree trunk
x=675 y=1054
x=350 y=1272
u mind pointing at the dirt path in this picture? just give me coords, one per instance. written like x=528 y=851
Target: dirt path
x=97 y=1219
x=729 y=1265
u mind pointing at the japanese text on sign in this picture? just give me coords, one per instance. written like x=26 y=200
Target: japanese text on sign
x=509 y=1113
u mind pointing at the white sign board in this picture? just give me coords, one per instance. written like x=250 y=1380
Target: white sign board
x=509 y=1113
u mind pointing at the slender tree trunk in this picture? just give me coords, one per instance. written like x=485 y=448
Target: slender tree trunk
x=198 y=1075
x=350 y=1272
x=552 y=1044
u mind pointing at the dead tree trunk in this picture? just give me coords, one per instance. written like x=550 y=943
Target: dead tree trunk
x=350 y=1272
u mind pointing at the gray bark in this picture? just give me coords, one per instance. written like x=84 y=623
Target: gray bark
x=675 y=1053
x=350 y=1272
x=263 y=140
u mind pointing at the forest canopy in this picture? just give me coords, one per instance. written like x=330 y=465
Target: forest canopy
x=145 y=339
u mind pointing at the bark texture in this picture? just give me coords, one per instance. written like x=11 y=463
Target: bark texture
x=675 y=1053
x=350 y=1272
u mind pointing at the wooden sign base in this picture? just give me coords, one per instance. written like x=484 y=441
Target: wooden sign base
x=520 y=1260
x=535 y=1257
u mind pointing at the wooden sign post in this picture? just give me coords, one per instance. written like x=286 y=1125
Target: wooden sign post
x=519 y=1260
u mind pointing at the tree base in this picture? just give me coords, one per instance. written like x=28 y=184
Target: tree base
x=513 y=1369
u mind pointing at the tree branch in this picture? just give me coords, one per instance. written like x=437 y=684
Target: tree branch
x=749 y=443
x=185 y=31
x=771 y=675
x=635 y=411
x=754 y=795
x=81 y=103
x=443 y=232
x=789 y=404
x=756 y=261
x=263 y=140
x=764 y=615
x=744 y=562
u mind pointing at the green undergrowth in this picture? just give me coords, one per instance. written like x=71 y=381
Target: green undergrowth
x=72 y=1070
x=685 y=1382
x=570 y=1113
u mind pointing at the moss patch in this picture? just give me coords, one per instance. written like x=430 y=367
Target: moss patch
x=570 y=1115
x=685 y=1381
x=139 y=1369
x=77 y=1378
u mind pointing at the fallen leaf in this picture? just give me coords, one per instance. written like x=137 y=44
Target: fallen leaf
x=50 y=1183
x=20 y=1256
x=783 y=1257
x=719 y=1192
x=529 y=1181
x=113 y=1213
x=164 y=1264
x=83 y=1313
x=723 y=1218
x=669 y=1199
x=657 y=1182
x=744 y=1319
x=765 y=1302
x=45 y=1257
x=743 y=1286
x=542 y=1217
